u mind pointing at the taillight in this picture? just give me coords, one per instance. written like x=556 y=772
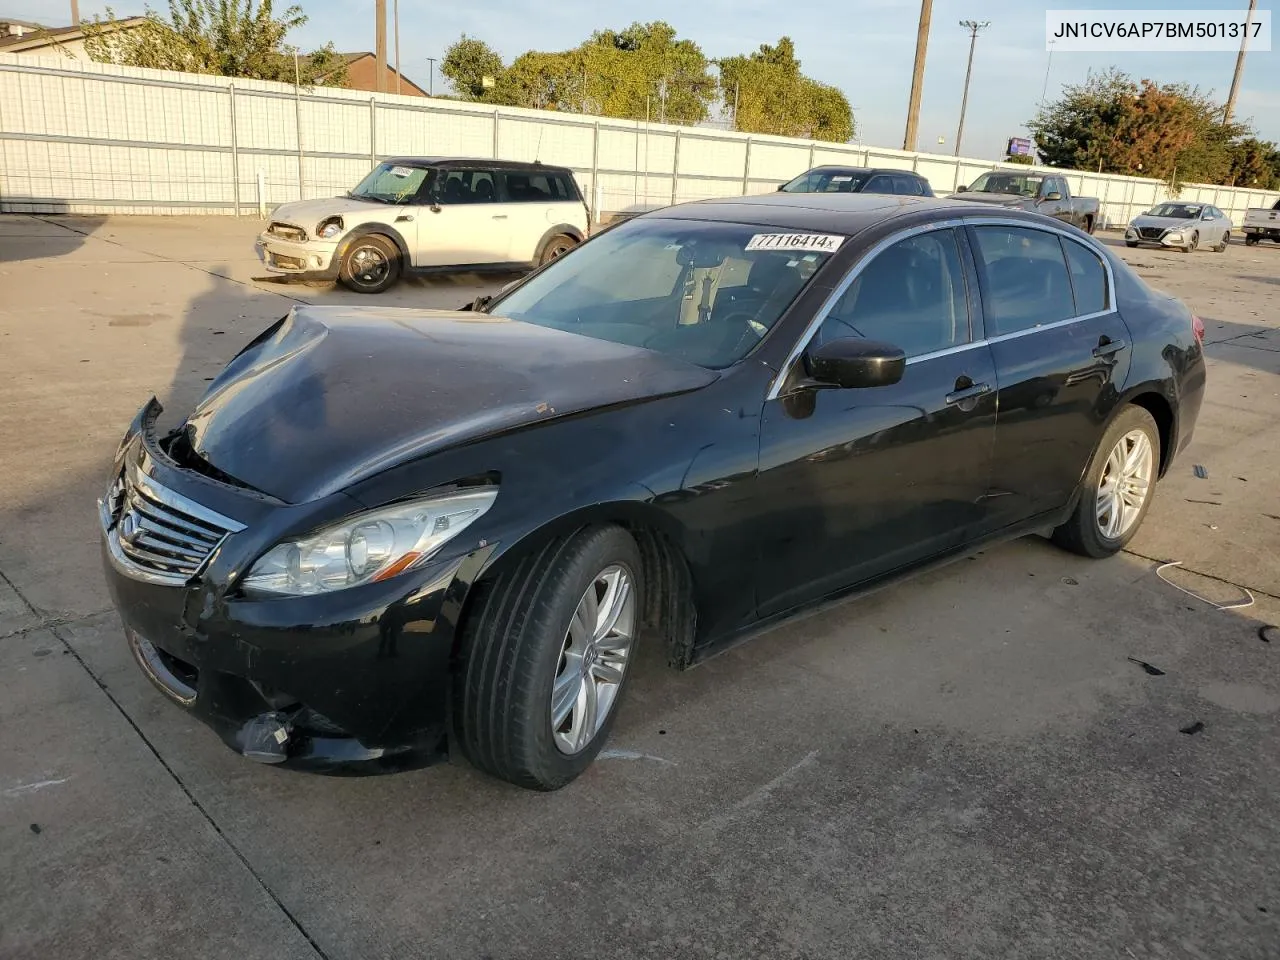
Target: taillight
x=1197 y=327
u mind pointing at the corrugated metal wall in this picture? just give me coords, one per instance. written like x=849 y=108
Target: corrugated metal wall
x=91 y=138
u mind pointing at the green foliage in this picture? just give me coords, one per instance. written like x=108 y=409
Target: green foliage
x=769 y=94
x=1020 y=158
x=230 y=38
x=1172 y=131
x=647 y=72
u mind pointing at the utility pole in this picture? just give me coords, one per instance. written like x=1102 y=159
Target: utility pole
x=396 y=9
x=75 y=13
x=380 y=46
x=1235 y=80
x=973 y=26
x=1044 y=91
x=431 y=76
x=917 y=76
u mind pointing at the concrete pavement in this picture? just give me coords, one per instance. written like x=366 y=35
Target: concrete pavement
x=967 y=765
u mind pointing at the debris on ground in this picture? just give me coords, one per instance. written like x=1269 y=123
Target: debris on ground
x=35 y=828
x=1192 y=729
x=1211 y=503
x=1071 y=581
x=1201 y=472
x=1240 y=605
x=1267 y=633
x=1152 y=670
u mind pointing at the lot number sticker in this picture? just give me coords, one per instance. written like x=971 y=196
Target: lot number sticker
x=821 y=242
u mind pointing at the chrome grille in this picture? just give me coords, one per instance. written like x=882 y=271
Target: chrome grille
x=287 y=231
x=158 y=534
x=1151 y=233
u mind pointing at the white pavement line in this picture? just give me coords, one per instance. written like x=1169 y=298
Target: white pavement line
x=759 y=795
x=633 y=755
x=33 y=787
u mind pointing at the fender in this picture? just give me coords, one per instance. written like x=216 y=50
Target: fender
x=567 y=229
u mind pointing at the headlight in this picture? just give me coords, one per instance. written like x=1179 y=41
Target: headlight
x=330 y=228
x=368 y=547
x=1173 y=236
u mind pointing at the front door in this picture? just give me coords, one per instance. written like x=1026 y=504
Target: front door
x=1061 y=352
x=856 y=483
x=466 y=225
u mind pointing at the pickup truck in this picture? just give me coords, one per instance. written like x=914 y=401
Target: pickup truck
x=1040 y=193
x=1262 y=224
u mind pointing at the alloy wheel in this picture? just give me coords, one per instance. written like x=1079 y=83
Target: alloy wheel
x=368 y=265
x=593 y=659
x=1125 y=484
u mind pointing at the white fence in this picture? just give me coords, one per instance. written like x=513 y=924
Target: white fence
x=81 y=137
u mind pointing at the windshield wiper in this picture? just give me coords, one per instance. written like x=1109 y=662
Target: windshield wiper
x=370 y=197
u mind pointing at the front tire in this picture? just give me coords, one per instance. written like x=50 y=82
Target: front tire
x=370 y=265
x=1193 y=245
x=1131 y=243
x=1118 y=488
x=544 y=659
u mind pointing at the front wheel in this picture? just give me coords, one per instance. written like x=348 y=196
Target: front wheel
x=1117 y=489
x=545 y=653
x=370 y=265
x=1193 y=244
x=1131 y=243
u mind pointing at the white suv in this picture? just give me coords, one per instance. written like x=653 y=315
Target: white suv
x=416 y=215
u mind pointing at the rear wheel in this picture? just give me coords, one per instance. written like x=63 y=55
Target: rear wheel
x=1117 y=489
x=557 y=246
x=545 y=657
x=1250 y=241
x=370 y=265
x=1088 y=225
x=1226 y=239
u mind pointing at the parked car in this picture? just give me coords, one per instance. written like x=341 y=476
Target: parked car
x=1184 y=226
x=383 y=535
x=1261 y=223
x=1045 y=194
x=420 y=214
x=836 y=179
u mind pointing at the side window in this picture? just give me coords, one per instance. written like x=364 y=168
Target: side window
x=565 y=187
x=1088 y=278
x=879 y=185
x=468 y=186
x=911 y=295
x=903 y=185
x=1026 y=282
x=526 y=186
x=1060 y=186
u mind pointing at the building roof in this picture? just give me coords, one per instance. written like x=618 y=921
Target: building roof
x=39 y=36
x=350 y=58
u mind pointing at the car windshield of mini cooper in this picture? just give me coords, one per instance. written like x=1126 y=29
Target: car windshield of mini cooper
x=703 y=292
x=392 y=183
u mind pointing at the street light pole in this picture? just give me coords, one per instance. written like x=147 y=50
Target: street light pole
x=1044 y=91
x=75 y=13
x=973 y=26
x=431 y=77
x=1235 y=80
x=917 y=76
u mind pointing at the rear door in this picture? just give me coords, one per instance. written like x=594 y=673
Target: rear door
x=1061 y=353
x=536 y=201
x=463 y=227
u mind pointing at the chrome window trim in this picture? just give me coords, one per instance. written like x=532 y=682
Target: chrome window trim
x=775 y=388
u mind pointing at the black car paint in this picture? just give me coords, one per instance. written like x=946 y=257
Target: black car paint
x=754 y=499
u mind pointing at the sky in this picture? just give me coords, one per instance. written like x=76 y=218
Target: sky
x=864 y=47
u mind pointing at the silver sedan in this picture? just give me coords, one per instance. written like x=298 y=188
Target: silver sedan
x=1182 y=226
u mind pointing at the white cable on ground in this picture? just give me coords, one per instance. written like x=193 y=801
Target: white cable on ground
x=1217 y=606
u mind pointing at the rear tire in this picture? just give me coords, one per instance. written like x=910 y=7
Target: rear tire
x=557 y=246
x=370 y=264
x=1108 y=515
x=523 y=644
x=1088 y=225
x=1226 y=239
x=1250 y=241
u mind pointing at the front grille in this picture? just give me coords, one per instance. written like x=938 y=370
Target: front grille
x=1151 y=233
x=161 y=534
x=287 y=231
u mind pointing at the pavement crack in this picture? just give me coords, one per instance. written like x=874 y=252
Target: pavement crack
x=1208 y=576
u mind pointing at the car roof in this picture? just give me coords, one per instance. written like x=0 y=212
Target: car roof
x=844 y=213
x=475 y=162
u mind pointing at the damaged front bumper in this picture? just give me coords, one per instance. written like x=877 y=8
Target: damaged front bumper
x=353 y=681
x=309 y=260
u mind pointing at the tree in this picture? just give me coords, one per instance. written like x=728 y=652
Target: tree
x=1114 y=124
x=230 y=38
x=767 y=93
x=466 y=63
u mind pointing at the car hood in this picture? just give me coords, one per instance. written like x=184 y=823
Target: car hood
x=332 y=395
x=999 y=199
x=1164 y=223
x=307 y=213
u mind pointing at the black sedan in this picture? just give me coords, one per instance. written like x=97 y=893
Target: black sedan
x=386 y=534
x=838 y=179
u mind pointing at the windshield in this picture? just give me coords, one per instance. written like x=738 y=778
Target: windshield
x=1177 y=211
x=392 y=183
x=703 y=292
x=828 y=181
x=1015 y=184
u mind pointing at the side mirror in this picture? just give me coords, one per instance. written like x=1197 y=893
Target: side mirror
x=851 y=362
x=1207 y=216
x=962 y=189
x=1054 y=195
x=781 y=187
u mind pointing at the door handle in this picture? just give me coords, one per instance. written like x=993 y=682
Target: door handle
x=1108 y=348
x=499 y=216
x=404 y=219
x=969 y=392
